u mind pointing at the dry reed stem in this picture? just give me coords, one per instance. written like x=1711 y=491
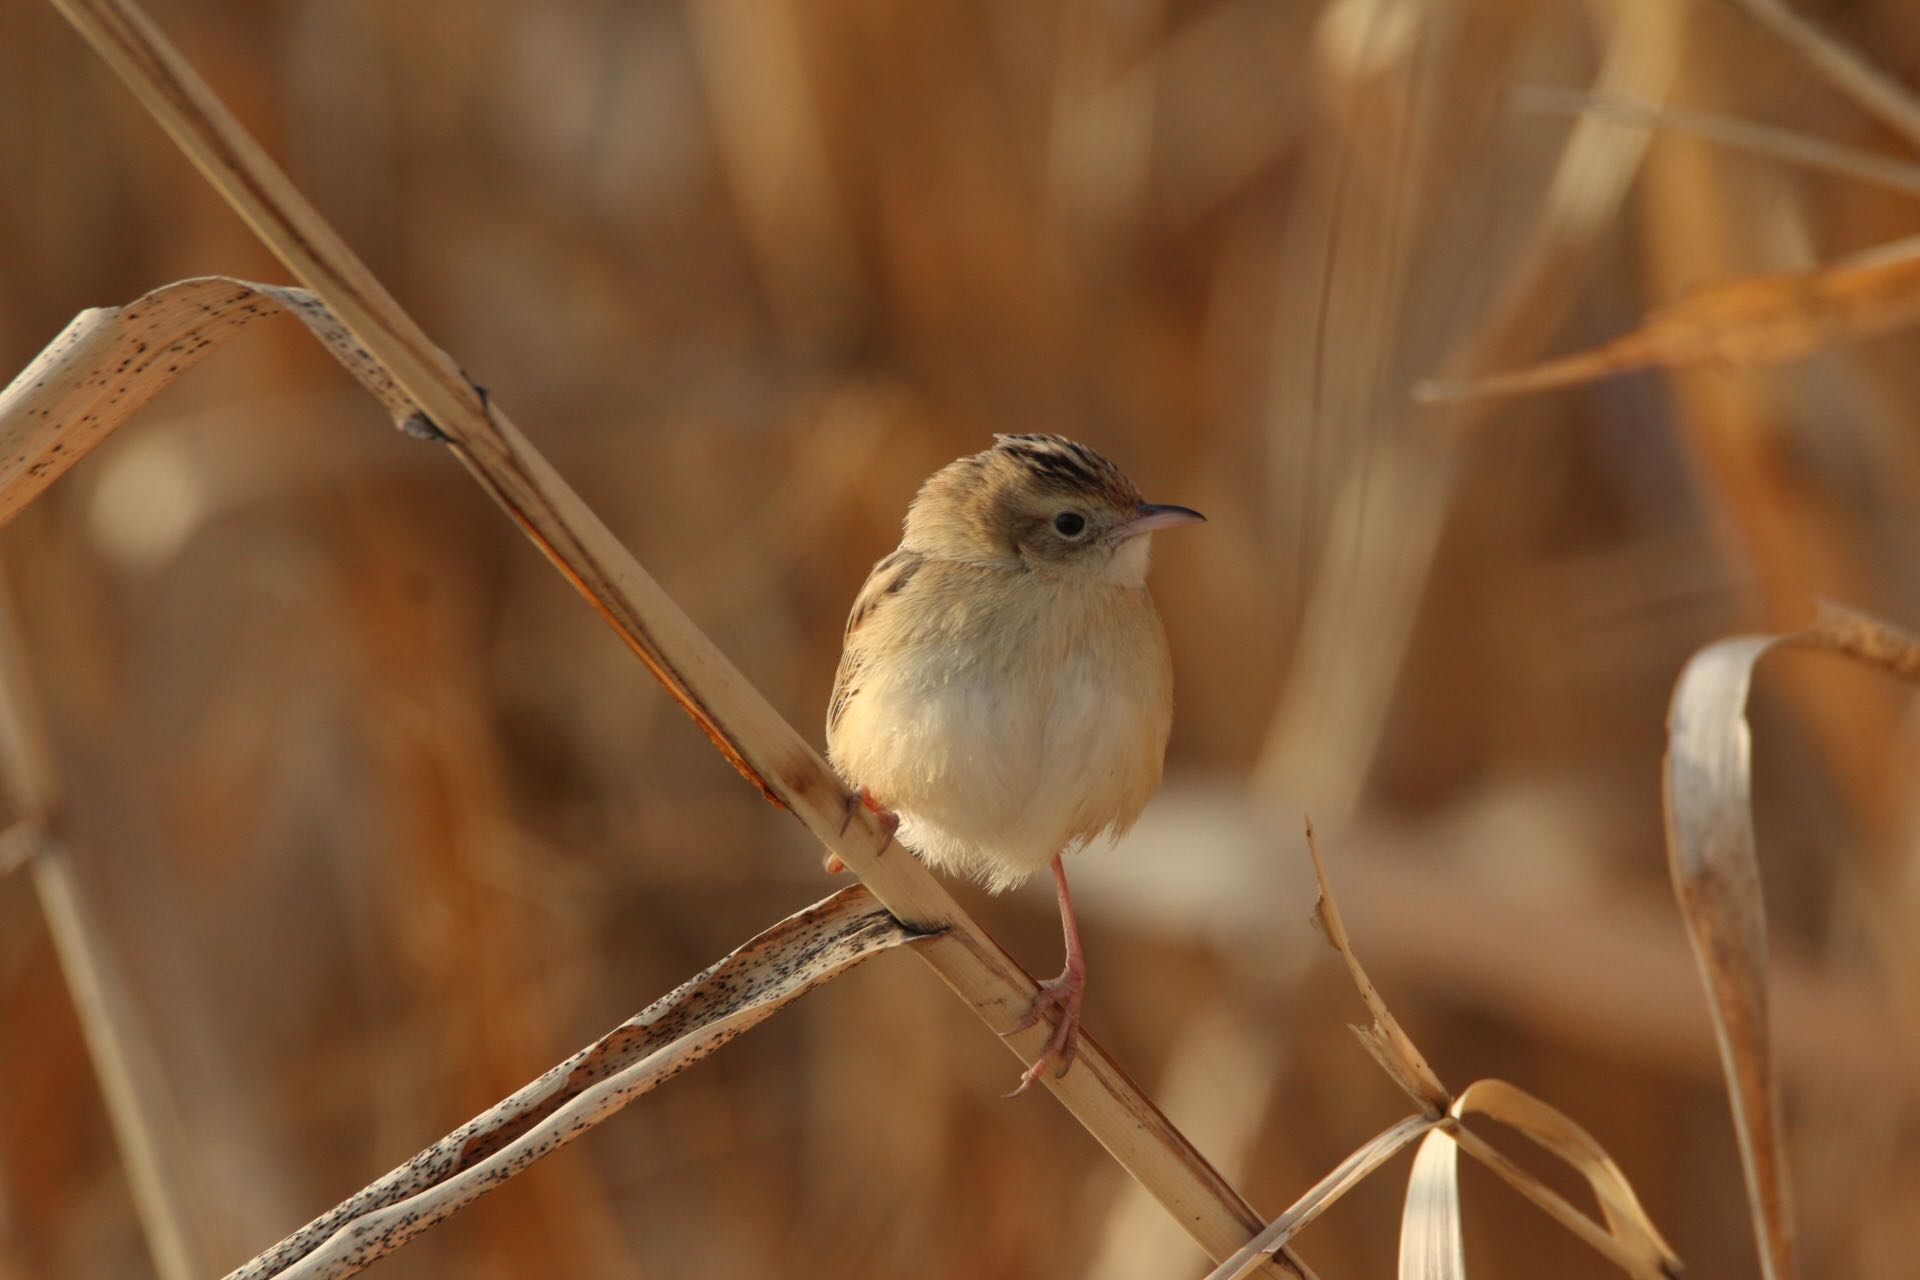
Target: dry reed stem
x=1595 y=171
x=1385 y=527
x=1716 y=877
x=772 y=141
x=775 y=968
x=124 y=1066
x=122 y=1057
x=1769 y=141
x=1217 y=1044
x=735 y=716
x=1871 y=88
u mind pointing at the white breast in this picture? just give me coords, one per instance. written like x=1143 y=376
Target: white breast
x=995 y=768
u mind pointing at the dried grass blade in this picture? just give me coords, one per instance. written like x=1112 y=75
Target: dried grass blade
x=1870 y=87
x=746 y=987
x=1760 y=320
x=1322 y=1195
x=1716 y=877
x=1430 y=1243
x=1772 y=142
x=110 y=361
x=1389 y=1044
x=1553 y=1130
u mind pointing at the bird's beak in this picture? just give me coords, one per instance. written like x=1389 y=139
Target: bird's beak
x=1161 y=515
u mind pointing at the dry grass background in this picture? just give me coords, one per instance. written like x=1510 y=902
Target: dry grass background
x=380 y=823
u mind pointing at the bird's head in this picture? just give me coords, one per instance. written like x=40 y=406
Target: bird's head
x=1040 y=502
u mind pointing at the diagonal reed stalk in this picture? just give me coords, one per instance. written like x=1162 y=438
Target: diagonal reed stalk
x=1873 y=89
x=739 y=720
x=122 y=1057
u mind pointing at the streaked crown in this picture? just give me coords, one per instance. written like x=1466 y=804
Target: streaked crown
x=1029 y=500
x=1059 y=465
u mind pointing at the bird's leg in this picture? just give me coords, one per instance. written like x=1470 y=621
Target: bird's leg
x=888 y=819
x=1061 y=994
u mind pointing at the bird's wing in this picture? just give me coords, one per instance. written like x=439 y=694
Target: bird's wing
x=887 y=580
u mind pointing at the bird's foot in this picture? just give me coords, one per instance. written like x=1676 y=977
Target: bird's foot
x=1062 y=996
x=888 y=820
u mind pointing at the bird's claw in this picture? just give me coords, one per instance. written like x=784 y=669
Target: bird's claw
x=1062 y=995
x=889 y=822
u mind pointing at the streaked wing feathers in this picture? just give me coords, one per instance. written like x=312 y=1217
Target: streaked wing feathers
x=888 y=579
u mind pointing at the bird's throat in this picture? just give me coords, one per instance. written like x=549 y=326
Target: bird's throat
x=1128 y=567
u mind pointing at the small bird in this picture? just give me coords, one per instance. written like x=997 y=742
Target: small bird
x=1005 y=692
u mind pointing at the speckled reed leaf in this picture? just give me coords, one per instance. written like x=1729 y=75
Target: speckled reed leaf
x=748 y=986
x=736 y=717
x=110 y=361
x=1716 y=875
x=1628 y=1237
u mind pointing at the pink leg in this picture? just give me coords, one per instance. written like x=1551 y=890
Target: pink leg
x=1061 y=994
x=888 y=819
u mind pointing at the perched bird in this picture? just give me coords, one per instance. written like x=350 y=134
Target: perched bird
x=1005 y=691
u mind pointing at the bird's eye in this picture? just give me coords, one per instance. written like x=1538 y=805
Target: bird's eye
x=1070 y=523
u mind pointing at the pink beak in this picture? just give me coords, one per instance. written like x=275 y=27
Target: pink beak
x=1161 y=515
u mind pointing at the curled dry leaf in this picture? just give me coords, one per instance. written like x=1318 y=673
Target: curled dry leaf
x=1385 y=1040
x=1345 y=1177
x=743 y=989
x=1755 y=321
x=1630 y=1237
x=1716 y=876
x=1430 y=1242
x=110 y=361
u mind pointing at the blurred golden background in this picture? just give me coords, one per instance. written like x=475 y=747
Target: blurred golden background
x=379 y=822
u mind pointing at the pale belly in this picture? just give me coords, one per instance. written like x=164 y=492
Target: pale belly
x=995 y=770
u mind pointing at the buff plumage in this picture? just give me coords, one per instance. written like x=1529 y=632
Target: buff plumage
x=1005 y=686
